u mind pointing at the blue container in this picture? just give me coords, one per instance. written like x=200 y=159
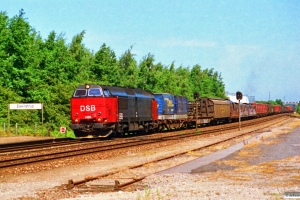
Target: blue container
x=166 y=104
x=181 y=105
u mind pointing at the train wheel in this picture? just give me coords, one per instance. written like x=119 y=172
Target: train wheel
x=104 y=133
x=146 y=129
x=160 y=128
x=78 y=133
x=112 y=134
x=151 y=129
x=213 y=122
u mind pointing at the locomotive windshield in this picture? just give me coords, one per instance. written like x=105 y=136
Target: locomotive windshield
x=80 y=92
x=95 y=92
x=92 y=92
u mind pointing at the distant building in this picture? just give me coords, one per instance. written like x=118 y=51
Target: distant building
x=291 y=103
x=294 y=104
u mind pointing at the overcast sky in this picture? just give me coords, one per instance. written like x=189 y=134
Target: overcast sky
x=253 y=44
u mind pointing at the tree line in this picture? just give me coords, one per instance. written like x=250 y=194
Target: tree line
x=37 y=70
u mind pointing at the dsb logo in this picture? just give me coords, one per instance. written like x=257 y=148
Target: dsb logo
x=87 y=108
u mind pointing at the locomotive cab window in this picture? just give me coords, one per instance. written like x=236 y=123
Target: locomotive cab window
x=80 y=92
x=106 y=93
x=94 y=92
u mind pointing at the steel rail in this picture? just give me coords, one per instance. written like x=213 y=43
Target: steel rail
x=124 y=144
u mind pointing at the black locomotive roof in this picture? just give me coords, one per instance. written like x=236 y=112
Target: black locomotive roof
x=122 y=91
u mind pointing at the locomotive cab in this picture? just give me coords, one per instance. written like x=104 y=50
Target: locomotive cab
x=93 y=109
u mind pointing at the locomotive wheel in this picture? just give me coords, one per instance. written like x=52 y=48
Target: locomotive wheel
x=104 y=133
x=80 y=133
x=146 y=129
x=113 y=134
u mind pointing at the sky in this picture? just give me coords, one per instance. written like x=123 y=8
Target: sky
x=254 y=45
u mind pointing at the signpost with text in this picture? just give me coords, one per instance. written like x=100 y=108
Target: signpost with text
x=26 y=106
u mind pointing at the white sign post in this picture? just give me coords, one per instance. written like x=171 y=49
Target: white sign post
x=26 y=106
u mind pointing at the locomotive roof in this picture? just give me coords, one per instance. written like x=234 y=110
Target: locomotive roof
x=122 y=91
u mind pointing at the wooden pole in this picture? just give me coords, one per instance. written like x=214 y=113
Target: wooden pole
x=42 y=119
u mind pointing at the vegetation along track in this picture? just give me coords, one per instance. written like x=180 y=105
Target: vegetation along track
x=68 y=150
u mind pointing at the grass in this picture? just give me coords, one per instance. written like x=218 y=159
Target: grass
x=39 y=132
x=295 y=115
x=149 y=196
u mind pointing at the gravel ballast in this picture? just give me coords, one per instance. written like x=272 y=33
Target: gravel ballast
x=260 y=170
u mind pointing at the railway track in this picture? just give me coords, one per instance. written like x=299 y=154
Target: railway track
x=91 y=184
x=12 y=148
x=69 y=149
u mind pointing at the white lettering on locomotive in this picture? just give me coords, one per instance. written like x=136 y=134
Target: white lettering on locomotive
x=87 y=108
x=88 y=117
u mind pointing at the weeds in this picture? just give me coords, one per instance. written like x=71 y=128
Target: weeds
x=148 y=195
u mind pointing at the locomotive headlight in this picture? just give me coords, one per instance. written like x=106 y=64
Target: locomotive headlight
x=76 y=120
x=99 y=119
x=87 y=86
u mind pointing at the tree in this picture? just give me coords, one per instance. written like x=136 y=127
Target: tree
x=128 y=71
x=195 y=80
x=23 y=54
x=5 y=58
x=104 y=66
x=279 y=102
x=182 y=81
x=80 y=66
x=146 y=79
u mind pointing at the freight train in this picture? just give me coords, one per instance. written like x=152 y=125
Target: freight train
x=107 y=111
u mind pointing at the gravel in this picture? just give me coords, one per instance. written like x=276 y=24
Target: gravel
x=261 y=170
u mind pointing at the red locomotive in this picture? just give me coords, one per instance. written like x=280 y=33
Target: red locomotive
x=103 y=111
